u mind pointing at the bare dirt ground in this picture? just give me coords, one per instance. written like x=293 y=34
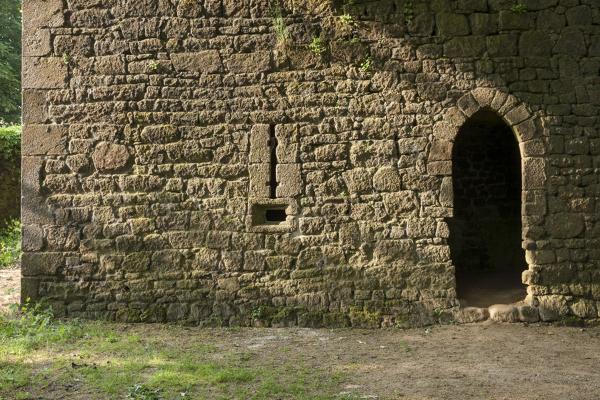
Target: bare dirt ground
x=478 y=361
x=10 y=287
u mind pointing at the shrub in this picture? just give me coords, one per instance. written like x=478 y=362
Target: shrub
x=10 y=143
x=10 y=244
x=33 y=325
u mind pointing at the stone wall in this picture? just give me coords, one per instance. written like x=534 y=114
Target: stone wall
x=164 y=138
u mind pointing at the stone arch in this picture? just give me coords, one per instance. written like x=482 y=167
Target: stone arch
x=528 y=131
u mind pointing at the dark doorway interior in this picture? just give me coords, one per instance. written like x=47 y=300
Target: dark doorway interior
x=485 y=238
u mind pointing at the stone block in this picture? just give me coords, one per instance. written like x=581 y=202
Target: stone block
x=33 y=238
x=204 y=62
x=565 y=225
x=571 y=42
x=440 y=150
x=259 y=61
x=41 y=264
x=44 y=140
x=358 y=180
x=450 y=24
x=387 y=179
x=470 y=315
x=504 y=313
x=42 y=14
x=260 y=150
x=44 y=73
x=514 y=21
x=37 y=43
x=535 y=44
x=504 y=45
x=289 y=180
x=110 y=157
x=534 y=173
x=260 y=177
x=401 y=204
x=465 y=47
x=388 y=251
x=34 y=106
x=29 y=289
x=159 y=134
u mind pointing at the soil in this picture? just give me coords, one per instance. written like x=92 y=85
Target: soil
x=10 y=287
x=476 y=361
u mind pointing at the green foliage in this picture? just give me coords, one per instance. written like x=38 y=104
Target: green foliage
x=10 y=61
x=347 y=19
x=142 y=392
x=10 y=142
x=519 y=8
x=10 y=244
x=317 y=46
x=409 y=11
x=367 y=64
x=281 y=31
x=32 y=326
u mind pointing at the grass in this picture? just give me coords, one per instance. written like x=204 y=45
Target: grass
x=100 y=360
x=10 y=244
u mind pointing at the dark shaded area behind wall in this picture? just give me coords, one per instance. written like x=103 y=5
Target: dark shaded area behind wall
x=486 y=228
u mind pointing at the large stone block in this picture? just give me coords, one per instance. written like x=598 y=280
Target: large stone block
x=42 y=14
x=42 y=264
x=44 y=140
x=259 y=61
x=467 y=46
x=565 y=225
x=36 y=43
x=289 y=180
x=109 y=157
x=44 y=73
x=204 y=62
x=449 y=24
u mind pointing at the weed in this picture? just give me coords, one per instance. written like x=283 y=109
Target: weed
x=154 y=66
x=142 y=392
x=35 y=326
x=367 y=64
x=409 y=11
x=347 y=19
x=10 y=244
x=317 y=46
x=67 y=59
x=519 y=8
x=281 y=31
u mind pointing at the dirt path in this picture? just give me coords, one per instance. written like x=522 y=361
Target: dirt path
x=10 y=287
x=483 y=361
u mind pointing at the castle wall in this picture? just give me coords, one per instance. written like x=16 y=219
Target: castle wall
x=158 y=134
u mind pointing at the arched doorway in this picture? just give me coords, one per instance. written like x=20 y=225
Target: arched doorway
x=485 y=238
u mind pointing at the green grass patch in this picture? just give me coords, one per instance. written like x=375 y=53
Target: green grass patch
x=10 y=244
x=101 y=360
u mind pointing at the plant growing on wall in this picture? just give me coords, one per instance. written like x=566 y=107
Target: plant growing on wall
x=317 y=46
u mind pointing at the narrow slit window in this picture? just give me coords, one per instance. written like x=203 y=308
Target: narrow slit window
x=273 y=171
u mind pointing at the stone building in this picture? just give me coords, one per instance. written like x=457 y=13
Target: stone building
x=373 y=163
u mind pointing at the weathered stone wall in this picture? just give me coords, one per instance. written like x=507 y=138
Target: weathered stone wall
x=148 y=155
